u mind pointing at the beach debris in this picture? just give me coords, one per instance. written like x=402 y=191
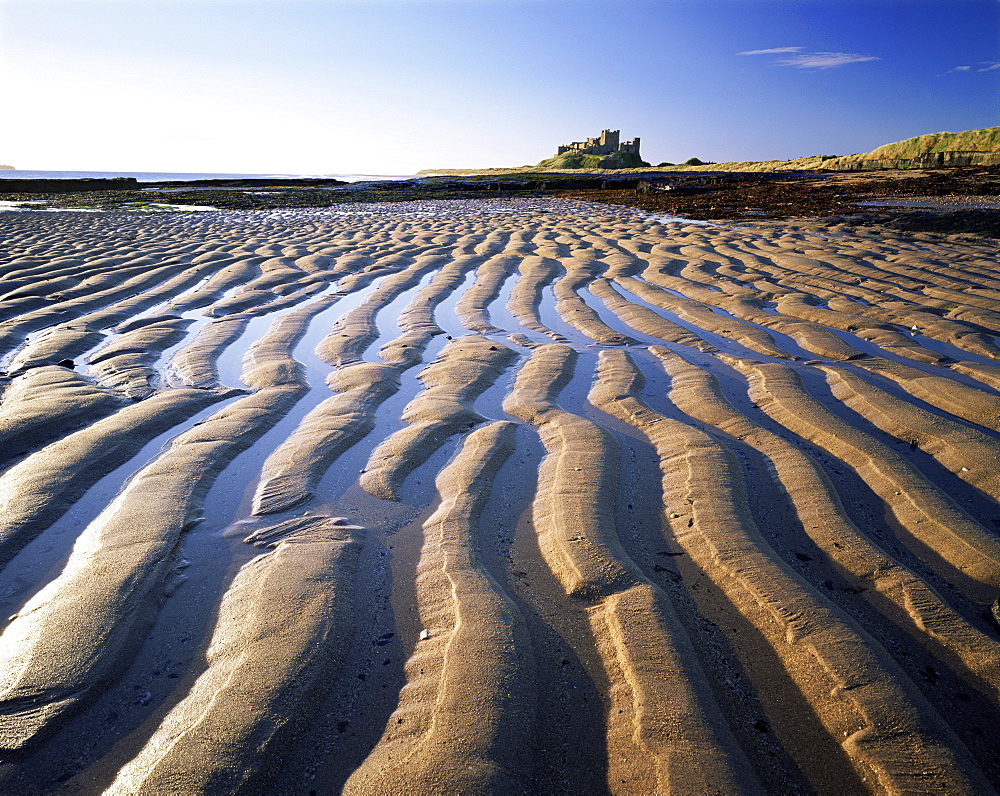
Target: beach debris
x=424 y=635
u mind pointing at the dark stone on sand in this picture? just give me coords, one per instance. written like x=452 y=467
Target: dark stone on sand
x=978 y=222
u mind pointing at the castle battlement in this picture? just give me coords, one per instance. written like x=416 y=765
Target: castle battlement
x=606 y=144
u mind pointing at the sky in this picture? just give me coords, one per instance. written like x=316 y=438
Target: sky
x=395 y=86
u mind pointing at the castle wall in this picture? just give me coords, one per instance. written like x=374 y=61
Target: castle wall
x=608 y=143
x=630 y=146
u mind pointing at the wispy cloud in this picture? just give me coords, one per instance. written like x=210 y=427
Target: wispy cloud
x=799 y=58
x=774 y=50
x=984 y=66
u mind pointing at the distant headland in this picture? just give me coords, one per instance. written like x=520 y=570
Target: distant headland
x=7 y=168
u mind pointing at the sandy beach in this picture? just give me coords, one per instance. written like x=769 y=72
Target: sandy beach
x=496 y=496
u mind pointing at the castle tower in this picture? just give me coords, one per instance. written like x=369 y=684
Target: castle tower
x=609 y=141
x=630 y=146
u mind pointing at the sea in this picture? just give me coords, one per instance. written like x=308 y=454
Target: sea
x=163 y=176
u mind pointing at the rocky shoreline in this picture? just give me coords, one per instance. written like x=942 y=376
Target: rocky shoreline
x=972 y=194
x=952 y=200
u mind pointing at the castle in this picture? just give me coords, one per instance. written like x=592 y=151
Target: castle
x=607 y=144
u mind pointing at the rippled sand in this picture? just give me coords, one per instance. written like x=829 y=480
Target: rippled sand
x=496 y=497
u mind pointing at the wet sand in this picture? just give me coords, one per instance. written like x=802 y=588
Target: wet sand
x=497 y=496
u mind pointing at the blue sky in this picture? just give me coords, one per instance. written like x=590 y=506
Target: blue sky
x=393 y=86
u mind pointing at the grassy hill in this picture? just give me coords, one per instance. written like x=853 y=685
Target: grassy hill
x=578 y=160
x=985 y=140
x=556 y=165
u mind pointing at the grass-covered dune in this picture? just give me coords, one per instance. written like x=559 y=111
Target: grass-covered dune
x=798 y=164
x=986 y=139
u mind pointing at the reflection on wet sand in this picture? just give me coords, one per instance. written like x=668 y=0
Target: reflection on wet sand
x=496 y=496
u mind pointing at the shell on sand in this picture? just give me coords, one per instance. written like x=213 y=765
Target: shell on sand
x=496 y=497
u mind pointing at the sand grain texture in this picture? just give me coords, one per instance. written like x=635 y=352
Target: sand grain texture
x=498 y=496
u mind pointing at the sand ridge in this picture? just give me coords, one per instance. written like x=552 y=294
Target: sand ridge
x=496 y=496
